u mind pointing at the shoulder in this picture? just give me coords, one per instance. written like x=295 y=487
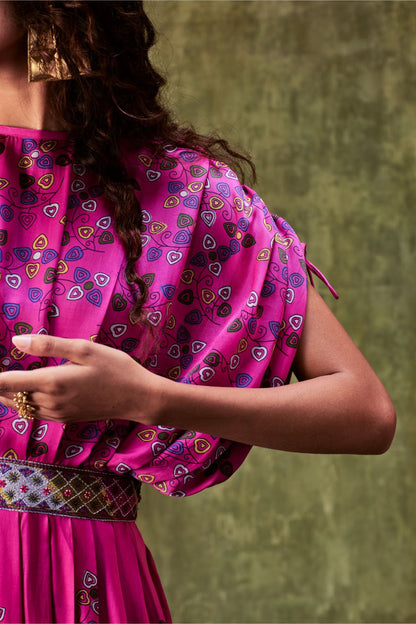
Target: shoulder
x=184 y=188
x=183 y=177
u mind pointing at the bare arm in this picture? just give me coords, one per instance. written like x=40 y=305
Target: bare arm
x=338 y=406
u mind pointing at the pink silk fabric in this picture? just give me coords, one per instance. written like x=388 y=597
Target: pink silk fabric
x=227 y=294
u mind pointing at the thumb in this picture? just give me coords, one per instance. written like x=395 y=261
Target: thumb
x=51 y=346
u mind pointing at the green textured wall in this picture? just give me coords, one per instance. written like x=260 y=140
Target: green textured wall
x=324 y=96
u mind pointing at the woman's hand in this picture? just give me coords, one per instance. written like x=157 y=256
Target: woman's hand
x=97 y=383
x=338 y=406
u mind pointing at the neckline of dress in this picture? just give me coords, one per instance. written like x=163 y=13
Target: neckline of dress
x=33 y=133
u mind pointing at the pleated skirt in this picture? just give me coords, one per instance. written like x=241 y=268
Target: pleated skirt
x=66 y=570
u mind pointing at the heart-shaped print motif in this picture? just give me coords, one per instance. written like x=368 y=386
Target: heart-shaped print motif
x=230 y=174
x=75 y=253
x=11 y=310
x=277 y=382
x=78 y=169
x=73 y=450
x=118 y=329
x=243 y=380
x=259 y=353
x=121 y=468
x=234 y=361
x=152 y=175
x=264 y=254
x=147 y=435
x=39 y=433
x=85 y=231
x=145 y=159
x=101 y=279
x=32 y=269
x=146 y=217
x=171 y=201
x=215 y=268
x=196 y=187
x=13 y=280
x=174 y=256
x=104 y=223
x=176 y=448
x=296 y=321
x=40 y=242
x=75 y=293
x=252 y=299
x=81 y=275
x=289 y=295
x=158 y=447
x=225 y=292
x=90 y=205
x=207 y=295
x=54 y=311
x=82 y=597
x=26 y=219
x=209 y=242
x=20 y=425
x=113 y=442
x=175 y=187
x=175 y=351
x=89 y=579
x=206 y=373
x=208 y=217
x=197 y=346
x=49 y=255
x=95 y=297
x=10 y=454
x=216 y=203
x=22 y=253
x=77 y=185
x=40 y=448
x=153 y=362
x=50 y=210
x=180 y=470
x=187 y=276
x=155 y=317
x=201 y=445
x=220 y=450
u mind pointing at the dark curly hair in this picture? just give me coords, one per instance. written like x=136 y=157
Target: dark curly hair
x=118 y=96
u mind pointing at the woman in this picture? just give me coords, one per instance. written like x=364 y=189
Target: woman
x=121 y=229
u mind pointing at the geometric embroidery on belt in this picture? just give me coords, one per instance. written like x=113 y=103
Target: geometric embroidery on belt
x=67 y=491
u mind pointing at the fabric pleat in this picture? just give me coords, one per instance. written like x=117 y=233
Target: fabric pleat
x=66 y=570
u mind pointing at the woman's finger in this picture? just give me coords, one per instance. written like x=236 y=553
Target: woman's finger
x=75 y=350
x=28 y=381
x=46 y=407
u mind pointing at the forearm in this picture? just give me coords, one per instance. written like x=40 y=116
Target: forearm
x=329 y=414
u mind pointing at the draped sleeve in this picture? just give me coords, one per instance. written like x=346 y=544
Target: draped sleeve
x=227 y=295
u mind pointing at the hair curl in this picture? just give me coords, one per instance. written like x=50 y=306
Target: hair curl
x=117 y=97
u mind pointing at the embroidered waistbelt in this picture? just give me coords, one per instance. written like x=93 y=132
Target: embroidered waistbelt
x=67 y=491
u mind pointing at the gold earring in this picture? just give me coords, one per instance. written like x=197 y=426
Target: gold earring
x=56 y=69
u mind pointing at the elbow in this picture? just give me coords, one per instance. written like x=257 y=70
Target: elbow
x=382 y=423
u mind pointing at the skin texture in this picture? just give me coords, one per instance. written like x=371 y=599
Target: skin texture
x=340 y=406
x=23 y=104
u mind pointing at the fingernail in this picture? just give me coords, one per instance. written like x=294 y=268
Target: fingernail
x=22 y=342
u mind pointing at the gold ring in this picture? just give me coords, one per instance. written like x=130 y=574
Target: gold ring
x=23 y=406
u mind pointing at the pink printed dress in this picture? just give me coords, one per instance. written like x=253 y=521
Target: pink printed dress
x=227 y=294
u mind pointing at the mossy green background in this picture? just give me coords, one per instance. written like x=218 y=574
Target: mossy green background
x=323 y=94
